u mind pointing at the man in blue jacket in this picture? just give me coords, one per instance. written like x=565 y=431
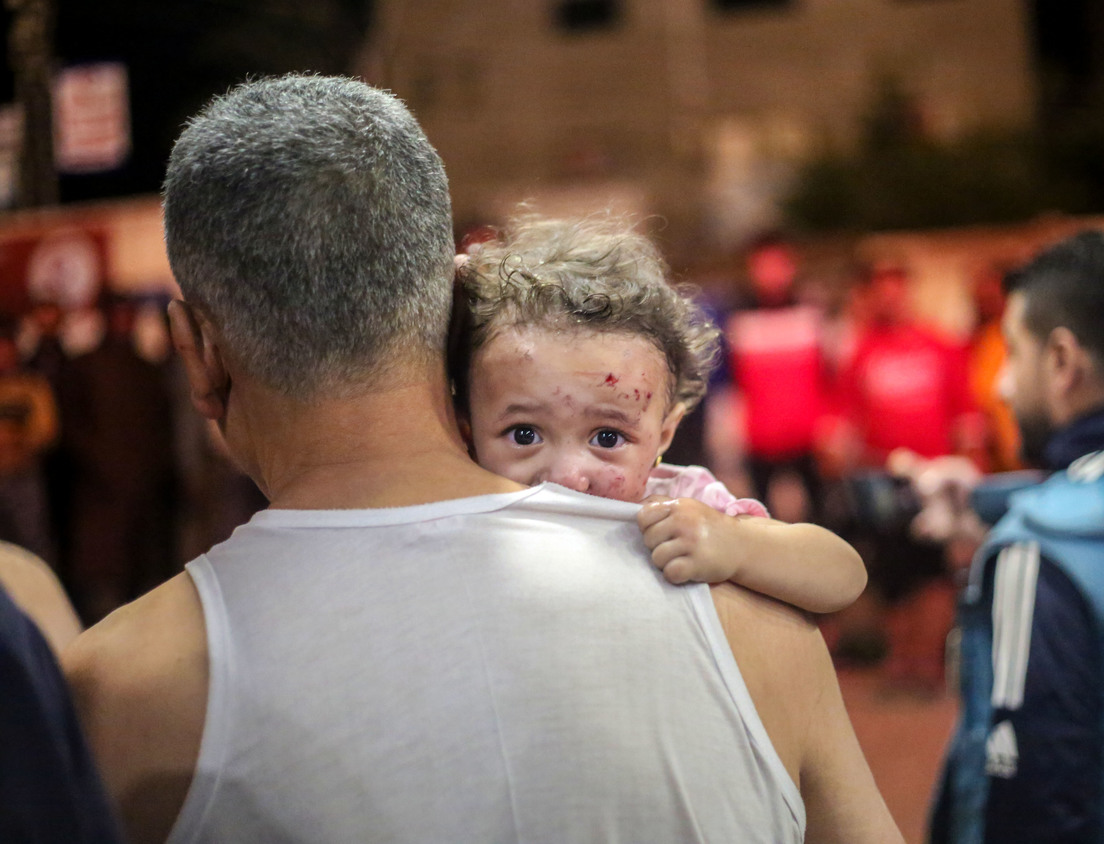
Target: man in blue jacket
x=1027 y=761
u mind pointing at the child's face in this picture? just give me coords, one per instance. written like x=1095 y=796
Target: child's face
x=584 y=410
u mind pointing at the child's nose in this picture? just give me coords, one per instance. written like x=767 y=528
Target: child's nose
x=571 y=473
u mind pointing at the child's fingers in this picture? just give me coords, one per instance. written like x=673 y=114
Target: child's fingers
x=665 y=553
x=679 y=570
x=652 y=512
x=663 y=530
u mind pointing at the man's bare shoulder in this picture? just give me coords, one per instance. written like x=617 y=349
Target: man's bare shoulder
x=139 y=681
x=752 y=620
x=789 y=674
x=138 y=642
x=782 y=660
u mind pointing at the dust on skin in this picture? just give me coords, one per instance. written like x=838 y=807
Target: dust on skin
x=611 y=380
x=524 y=381
x=638 y=396
x=616 y=487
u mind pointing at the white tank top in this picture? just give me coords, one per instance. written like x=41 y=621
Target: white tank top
x=508 y=668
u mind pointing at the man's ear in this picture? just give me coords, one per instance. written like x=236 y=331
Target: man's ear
x=1066 y=361
x=193 y=339
x=464 y=424
x=670 y=425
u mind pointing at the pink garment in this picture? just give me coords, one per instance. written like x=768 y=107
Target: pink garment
x=698 y=483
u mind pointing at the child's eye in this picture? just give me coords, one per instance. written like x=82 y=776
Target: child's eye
x=607 y=438
x=523 y=435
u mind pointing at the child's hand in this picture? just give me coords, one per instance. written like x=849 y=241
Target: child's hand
x=689 y=540
x=803 y=564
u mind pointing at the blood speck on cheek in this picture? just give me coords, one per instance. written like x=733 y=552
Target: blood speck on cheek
x=611 y=379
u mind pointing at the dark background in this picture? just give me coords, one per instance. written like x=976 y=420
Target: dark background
x=181 y=52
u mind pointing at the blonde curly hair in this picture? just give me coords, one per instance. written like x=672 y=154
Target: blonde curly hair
x=595 y=273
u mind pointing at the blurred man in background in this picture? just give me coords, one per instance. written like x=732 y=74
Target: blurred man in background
x=987 y=358
x=121 y=445
x=904 y=387
x=777 y=372
x=1027 y=761
x=28 y=428
x=44 y=349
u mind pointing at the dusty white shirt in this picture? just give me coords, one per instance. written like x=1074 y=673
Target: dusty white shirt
x=506 y=668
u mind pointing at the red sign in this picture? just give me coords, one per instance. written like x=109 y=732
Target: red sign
x=64 y=266
x=91 y=118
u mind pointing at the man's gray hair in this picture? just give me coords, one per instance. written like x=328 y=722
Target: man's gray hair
x=595 y=273
x=309 y=218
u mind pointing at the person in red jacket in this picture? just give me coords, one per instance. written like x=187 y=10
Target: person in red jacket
x=905 y=387
x=776 y=371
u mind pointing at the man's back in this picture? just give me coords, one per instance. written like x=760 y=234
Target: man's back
x=483 y=673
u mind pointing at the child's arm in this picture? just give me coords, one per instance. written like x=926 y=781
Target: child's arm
x=801 y=564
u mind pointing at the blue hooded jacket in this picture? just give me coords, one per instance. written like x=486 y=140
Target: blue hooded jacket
x=1026 y=763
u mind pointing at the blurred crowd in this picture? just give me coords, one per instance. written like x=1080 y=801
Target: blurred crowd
x=105 y=471
x=822 y=398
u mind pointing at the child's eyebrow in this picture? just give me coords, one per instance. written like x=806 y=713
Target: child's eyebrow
x=523 y=408
x=611 y=414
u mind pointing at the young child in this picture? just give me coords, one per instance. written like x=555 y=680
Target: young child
x=575 y=361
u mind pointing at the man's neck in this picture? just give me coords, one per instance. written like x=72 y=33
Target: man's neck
x=1079 y=437
x=388 y=448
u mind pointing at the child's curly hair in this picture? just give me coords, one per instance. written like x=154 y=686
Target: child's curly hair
x=596 y=273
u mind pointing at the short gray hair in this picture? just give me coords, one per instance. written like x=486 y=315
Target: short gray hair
x=309 y=217
x=594 y=273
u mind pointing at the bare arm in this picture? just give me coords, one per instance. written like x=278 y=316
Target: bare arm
x=36 y=590
x=842 y=801
x=139 y=681
x=801 y=564
x=789 y=675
